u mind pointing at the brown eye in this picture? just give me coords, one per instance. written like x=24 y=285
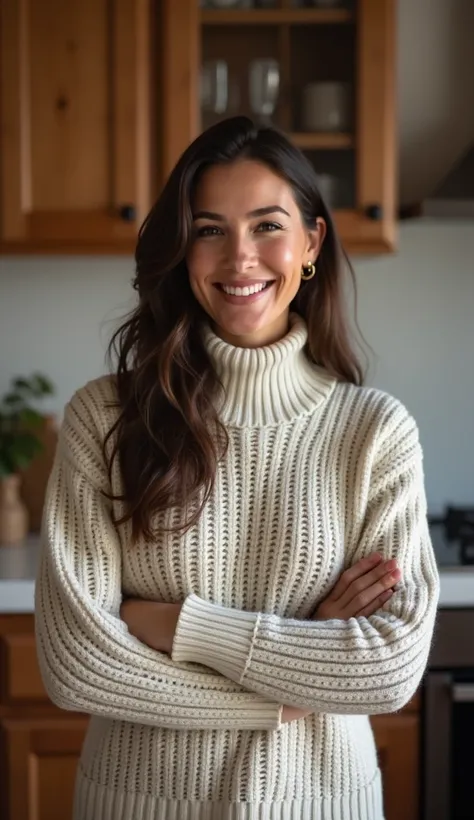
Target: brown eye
x=208 y=230
x=268 y=227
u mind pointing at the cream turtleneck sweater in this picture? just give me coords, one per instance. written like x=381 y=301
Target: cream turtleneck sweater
x=317 y=475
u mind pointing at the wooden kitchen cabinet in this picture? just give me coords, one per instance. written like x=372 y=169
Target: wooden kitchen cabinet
x=353 y=44
x=397 y=740
x=41 y=762
x=40 y=744
x=78 y=160
x=99 y=98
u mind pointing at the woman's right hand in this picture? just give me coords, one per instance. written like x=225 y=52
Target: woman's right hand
x=360 y=591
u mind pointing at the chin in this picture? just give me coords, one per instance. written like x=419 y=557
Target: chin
x=252 y=332
x=241 y=327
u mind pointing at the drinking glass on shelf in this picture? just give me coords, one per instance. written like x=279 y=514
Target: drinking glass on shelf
x=322 y=4
x=214 y=90
x=264 y=86
x=328 y=188
x=326 y=4
x=228 y=4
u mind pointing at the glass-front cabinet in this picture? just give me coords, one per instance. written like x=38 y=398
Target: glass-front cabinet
x=98 y=101
x=321 y=70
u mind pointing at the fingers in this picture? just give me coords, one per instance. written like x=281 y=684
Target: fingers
x=368 y=587
x=359 y=569
x=369 y=597
x=361 y=589
x=375 y=605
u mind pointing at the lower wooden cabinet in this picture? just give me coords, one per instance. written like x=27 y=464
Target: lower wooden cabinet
x=40 y=744
x=397 y=740
x=41 y=757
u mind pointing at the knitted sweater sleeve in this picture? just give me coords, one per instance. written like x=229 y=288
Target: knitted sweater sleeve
x=363 y=665
x=88 y=659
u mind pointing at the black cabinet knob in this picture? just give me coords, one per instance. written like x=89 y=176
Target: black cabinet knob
x=374 y=212
x=128 y=213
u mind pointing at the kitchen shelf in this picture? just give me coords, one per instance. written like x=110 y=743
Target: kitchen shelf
x=322 y=141
x=265 y=17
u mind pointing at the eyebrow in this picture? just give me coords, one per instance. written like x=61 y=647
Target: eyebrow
x=271 y=209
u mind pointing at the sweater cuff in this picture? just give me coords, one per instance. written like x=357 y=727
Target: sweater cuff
x=215 y=636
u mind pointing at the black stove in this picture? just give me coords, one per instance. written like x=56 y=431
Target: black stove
x=452 y=536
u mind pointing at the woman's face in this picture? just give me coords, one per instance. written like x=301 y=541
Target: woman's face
x=248 y=248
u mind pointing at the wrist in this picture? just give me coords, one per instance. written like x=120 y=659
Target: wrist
x=169 y=617
x=154 y=624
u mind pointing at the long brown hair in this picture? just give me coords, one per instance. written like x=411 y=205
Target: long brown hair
x=168 y=435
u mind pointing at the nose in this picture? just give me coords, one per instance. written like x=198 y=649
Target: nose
x=241 y=253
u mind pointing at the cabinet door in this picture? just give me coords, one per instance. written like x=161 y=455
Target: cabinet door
x=75 y=109
x=351 y=45
x=372 y=223
x=41 y=758
x=397 y=740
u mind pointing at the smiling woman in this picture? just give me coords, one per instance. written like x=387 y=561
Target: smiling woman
x=236 y=569
x=246 y=258
x=242 y=207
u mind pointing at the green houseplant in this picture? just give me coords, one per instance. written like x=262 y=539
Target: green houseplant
x=19 y=444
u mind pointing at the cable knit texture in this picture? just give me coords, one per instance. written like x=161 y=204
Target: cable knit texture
x=318 y=474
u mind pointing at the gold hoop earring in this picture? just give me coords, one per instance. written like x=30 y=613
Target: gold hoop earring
x=310 y=269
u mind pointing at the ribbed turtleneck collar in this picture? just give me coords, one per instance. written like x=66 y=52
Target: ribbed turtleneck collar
x=268 y=385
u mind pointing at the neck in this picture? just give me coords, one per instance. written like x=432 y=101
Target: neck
x=268 y=385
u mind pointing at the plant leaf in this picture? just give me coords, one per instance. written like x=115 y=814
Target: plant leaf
x=13 y=399
x=22 y=462
x=5 y=467
x=30 y=418
x=45 y=385
x=21 y=384
x=23 y=446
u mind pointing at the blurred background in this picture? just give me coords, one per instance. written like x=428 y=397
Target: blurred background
x=98 y=100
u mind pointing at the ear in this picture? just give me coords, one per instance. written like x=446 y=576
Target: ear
x=315 y=239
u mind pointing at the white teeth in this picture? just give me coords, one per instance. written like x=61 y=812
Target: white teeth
x=246 y=291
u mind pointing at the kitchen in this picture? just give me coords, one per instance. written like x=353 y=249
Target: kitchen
x=66 y=266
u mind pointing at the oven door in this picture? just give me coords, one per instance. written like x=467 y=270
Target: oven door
x=448 y=740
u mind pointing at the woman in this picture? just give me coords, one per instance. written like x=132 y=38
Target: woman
x=236 y=567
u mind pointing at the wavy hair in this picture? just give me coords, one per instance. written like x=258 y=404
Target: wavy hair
x=168 y=436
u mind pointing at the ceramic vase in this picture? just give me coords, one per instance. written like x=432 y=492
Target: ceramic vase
x=13 y=512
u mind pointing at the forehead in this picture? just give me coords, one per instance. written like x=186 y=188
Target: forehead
x=243 y=185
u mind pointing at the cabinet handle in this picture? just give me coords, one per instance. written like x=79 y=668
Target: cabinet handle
x=374 y=212
x=463 y=692
x=127 y=213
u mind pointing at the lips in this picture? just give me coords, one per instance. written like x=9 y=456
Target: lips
x=245 y=287
x=248 y=290
x=244 y=291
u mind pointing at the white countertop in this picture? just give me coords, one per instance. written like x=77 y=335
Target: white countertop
x=18 y=566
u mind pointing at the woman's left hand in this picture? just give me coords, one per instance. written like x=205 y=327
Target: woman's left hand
x=152 y=623
x=361 y=590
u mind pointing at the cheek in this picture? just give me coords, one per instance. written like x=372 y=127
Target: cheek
x=283 y=257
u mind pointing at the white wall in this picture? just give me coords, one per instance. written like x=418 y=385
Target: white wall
x=416 y=310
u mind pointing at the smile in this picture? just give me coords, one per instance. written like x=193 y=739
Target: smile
x=246 y=290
